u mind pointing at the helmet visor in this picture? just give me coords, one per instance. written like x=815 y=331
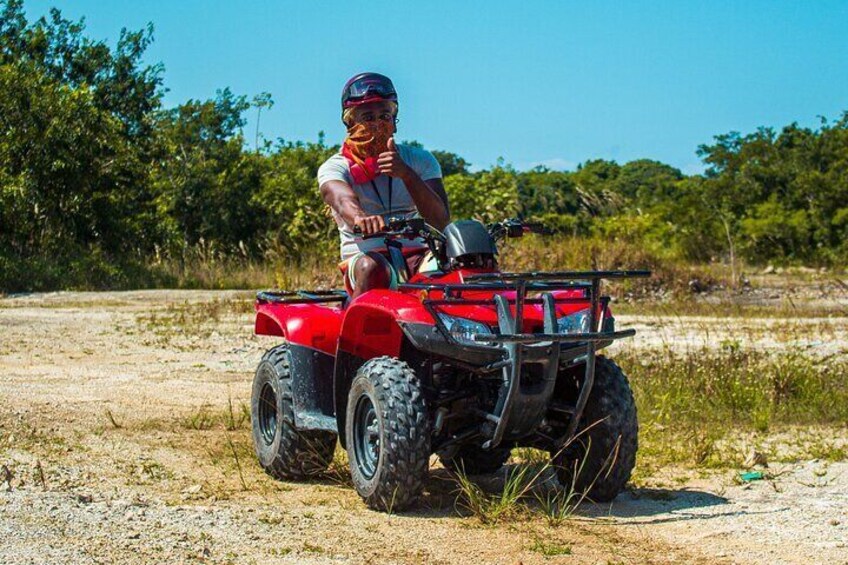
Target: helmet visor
x=369 y=87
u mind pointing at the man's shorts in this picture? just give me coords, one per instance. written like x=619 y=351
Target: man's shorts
x=419 y=261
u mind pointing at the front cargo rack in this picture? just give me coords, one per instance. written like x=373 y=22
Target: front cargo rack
x=521 y=284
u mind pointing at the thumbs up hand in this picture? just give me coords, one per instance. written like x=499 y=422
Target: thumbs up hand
x=390 y=163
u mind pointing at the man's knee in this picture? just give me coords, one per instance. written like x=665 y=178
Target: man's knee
x=372 y=270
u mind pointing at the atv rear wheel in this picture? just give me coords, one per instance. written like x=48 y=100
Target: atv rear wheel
x=474 y=460
x=284 y=451
x=601 y=458
x=388 y=434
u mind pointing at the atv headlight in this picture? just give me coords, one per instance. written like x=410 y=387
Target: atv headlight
x=461 y=329
x=577 y=323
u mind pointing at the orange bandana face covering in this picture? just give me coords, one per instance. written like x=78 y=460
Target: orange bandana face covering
x=363 y=145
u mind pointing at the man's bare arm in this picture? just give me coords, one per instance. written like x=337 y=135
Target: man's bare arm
x=430 y=199
x=429 y=196
x=438 y=187
x=339 y=196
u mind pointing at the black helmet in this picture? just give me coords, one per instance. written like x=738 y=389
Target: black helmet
x=367 y=87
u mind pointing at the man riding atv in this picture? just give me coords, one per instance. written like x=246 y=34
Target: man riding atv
x=372 y=179
x=456 y=358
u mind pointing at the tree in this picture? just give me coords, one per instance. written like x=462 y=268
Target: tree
x=205 y=180
x=451 y=163
x=76 y=147
x=260 y=101
x=488 y=196
x=644 y=183
x=594 y=183
x=299 y=222
x=551 y=198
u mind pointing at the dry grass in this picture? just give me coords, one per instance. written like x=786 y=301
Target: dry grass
x=710 y=407
x=729 y=306
x=670 y=275
x=203 y=268
x=235 y=416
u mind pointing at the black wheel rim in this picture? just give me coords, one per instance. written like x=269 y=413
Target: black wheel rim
x=268 y=413
x=366 y=436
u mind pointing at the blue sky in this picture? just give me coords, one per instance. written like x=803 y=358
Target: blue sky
x=530 y=81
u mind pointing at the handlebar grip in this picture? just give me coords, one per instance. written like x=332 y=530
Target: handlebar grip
x=357 y=231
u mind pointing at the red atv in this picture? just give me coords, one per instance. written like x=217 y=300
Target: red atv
x=466 y=362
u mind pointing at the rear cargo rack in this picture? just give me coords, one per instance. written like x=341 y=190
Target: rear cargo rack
x=300 y=296
x=516 y=410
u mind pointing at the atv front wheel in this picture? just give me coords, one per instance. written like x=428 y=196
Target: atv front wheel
x=474 y=460
x=284 y=451
x=600 y=459
x=388 y=434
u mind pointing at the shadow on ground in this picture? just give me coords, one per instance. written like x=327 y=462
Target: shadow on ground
x=441 y=500
x=666 y=504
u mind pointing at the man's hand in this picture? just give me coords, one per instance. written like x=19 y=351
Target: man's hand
x=369 y=225
x=390 y=163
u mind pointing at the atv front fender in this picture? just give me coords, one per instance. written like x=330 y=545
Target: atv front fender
x=371 y=329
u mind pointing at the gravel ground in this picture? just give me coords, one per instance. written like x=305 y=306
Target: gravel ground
x=115 y=446
x=799 y=516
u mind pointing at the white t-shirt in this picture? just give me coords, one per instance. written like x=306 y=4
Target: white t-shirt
x=378 y=197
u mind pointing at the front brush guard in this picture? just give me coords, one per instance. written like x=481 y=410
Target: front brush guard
x=519 y=410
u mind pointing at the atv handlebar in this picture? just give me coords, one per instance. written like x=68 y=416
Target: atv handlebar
x=397 y=227
x=417 y=227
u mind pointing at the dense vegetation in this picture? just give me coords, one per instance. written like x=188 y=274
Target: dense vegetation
x=100 y=185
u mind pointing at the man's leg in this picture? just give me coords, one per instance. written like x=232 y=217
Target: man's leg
x=371 y=270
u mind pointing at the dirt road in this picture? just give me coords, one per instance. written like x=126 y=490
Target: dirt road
x=123 y=438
